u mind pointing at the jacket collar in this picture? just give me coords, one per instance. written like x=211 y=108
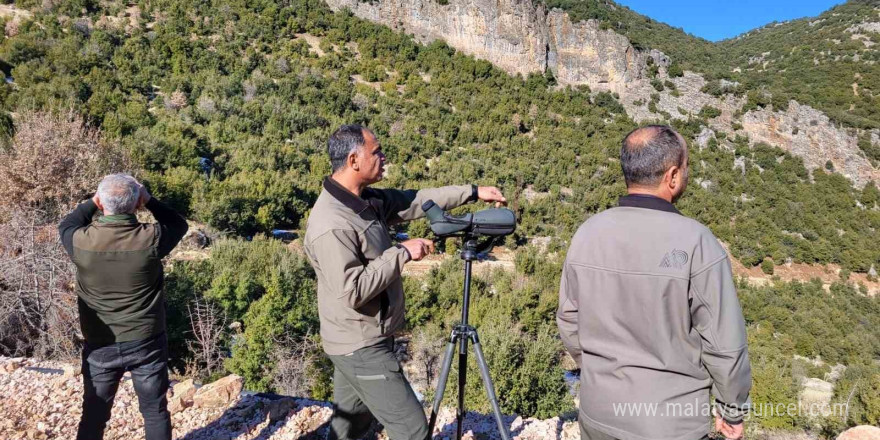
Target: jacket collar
x=345 y=196
x=647 y=201
x=125 y=219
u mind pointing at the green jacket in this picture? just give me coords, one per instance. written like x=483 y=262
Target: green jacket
x=119 y=280
x=360 y=292
x=648 y=309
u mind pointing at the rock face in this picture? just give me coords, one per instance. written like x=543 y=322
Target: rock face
x=808 y=133
x=517 y=36
x=582 y=53
x=864 y=432
x=815 y=397
x=801 y=130
x=509 y=33
x=218 y=394
x=181 y=396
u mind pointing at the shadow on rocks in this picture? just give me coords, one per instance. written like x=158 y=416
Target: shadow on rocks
x=252 y=411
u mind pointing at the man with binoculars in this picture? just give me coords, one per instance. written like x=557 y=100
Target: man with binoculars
x=360 y=290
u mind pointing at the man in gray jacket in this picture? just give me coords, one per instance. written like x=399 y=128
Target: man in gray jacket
x=360 y=292
x=648 y=309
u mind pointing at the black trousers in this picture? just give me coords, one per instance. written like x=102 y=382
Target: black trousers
x=102 y=369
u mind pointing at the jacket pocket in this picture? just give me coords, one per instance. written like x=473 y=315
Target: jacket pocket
x=371 y=377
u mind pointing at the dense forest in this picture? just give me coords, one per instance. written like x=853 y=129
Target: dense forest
x=814 y=60
x=224 y=108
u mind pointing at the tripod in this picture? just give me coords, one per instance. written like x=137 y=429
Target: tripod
x=461 y=334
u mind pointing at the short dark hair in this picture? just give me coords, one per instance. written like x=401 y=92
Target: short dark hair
x=647 y=152
x=342 y=142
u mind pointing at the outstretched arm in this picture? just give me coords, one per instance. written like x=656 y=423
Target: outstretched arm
x=406 y=205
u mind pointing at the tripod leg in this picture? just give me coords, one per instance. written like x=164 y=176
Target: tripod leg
x=441 y=385
x=490 y=389
x=462 y=378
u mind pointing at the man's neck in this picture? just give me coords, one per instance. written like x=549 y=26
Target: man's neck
x=649 y=192
x=116 y=218
x=350 y=182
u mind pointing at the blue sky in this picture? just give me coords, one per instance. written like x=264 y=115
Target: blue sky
x=716 y=20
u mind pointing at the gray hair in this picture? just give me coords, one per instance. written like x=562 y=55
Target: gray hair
x=647 y=152
x=342 y=142
x=119 y=194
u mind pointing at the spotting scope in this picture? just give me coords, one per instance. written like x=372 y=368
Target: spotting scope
x=494 y=222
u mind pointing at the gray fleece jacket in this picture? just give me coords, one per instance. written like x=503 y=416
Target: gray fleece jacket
x=648 y=309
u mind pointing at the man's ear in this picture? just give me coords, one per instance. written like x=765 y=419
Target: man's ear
x=353 y=160
x=99 y=204
x=670 y=176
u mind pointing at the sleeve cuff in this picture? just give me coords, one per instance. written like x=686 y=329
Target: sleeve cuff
x=90 y=208
x=732 y=414
x=90 y=205
x=405 y=251
x=475 y=194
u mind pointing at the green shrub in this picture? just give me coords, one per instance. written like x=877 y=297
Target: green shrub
x=250 y=202
x=525 y=370
x=767 y=266
x=606 y=100
x=713 y=88
x=859 y=391
x=270 y=290
x=657 y=84
x=709 y=112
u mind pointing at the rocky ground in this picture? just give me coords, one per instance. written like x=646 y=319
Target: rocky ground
x=41 y=400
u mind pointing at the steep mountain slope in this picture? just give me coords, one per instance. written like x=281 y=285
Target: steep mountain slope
x=583 y=46
x=814 y=61
x=827 y=63
x=255 y=87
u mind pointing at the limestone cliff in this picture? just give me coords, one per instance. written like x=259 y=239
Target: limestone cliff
x=512 y=34
x=582 y=53
x=516 y=35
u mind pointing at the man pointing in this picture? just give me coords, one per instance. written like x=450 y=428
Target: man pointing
x=360 y=291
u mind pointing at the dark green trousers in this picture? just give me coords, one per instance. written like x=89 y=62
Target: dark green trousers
x=369 y=385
